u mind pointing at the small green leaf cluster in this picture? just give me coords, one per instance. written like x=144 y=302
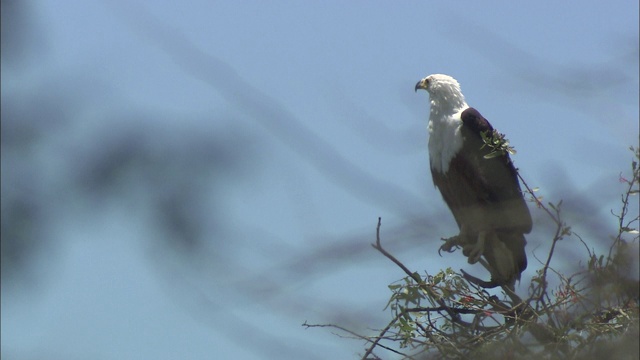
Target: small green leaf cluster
x=497 y=142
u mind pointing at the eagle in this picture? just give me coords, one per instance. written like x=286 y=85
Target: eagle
x=479 y=184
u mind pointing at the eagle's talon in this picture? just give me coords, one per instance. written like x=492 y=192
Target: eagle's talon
x=449 y=244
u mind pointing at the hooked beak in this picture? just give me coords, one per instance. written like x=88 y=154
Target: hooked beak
x=422 y=84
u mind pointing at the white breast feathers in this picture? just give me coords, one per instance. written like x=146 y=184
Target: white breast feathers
x=445 y=139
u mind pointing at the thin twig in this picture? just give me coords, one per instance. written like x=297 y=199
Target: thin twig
x=376 y=342
x=307 y=325
x=623 y=212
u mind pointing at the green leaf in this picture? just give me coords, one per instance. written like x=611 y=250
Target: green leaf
x=438 y=278
x=491 y=155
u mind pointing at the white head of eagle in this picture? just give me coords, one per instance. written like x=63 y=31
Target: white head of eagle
x=483 y=193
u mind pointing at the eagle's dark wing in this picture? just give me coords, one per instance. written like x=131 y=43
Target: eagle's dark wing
x=484 y=194
x=497 y=175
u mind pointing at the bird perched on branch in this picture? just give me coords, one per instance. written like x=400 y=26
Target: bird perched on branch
x=471 y=167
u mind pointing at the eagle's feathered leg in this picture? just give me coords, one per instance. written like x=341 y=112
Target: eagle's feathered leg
x=473 y=251
x=498 y=260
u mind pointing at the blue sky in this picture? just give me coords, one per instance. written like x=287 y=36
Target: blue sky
x=315 y=102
